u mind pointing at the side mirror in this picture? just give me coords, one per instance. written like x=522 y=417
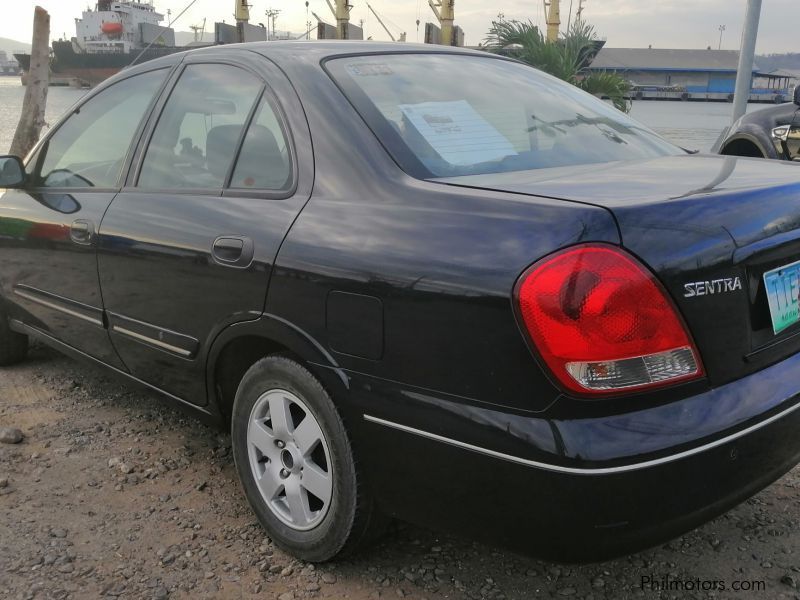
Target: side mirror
x=12 y=172
x=797 y=94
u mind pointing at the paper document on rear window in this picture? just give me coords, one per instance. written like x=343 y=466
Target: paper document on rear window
x=457 y=132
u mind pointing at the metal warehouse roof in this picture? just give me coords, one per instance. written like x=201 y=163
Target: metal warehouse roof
x=662 y=59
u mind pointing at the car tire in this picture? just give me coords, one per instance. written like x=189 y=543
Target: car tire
x=299 y=476
x=13 y=345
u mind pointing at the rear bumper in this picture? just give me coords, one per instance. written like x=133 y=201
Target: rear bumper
x=585 y=489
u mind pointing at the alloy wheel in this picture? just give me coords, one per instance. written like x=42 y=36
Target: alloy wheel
x=290 y=459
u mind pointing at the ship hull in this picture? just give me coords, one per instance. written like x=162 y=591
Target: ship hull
x=92 y=69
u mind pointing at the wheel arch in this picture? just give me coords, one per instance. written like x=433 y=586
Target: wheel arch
x=743 y=146
x=755 y=137
x=241 y=345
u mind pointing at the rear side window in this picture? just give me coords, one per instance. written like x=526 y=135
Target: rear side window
x=264 y=161
x=89 y=149
x=444 y=115
x=195 y=141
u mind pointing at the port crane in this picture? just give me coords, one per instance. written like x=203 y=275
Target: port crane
x=342 y=13
x=242 y=13
x=385 y=28
x=199 y=31
x=445 y=13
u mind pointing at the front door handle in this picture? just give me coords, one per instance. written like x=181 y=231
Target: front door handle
x=233 y=251
x=82 y=232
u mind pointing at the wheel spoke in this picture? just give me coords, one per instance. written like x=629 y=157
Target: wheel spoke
x=307 y=434
x=317 y=482
x=280 y=416
x=262 y=438
x=298 y=503
x=269 y=482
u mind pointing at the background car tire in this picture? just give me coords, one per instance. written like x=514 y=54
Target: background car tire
x=13 y=345
x=350 y=518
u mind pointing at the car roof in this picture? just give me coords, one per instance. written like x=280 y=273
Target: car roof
x=322 y=49
x=295 y=52
x=319 y=50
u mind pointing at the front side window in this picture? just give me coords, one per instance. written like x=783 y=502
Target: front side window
x=446 y=115
x=195 y=141
x=89 y=148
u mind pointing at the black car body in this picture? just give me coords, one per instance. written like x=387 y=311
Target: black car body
x=402 y=295
x=772 y=132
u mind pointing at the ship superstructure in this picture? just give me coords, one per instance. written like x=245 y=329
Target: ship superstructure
x=120 y=27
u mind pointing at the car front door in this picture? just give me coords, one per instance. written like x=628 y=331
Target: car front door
x=187 y=248
x=48 y=262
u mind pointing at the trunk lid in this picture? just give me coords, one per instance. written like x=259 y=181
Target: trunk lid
x=709 y=227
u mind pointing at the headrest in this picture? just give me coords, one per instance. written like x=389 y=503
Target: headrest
x=220 y=146
x=261 y=163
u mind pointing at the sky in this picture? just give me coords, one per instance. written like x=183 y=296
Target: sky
x=623 y=23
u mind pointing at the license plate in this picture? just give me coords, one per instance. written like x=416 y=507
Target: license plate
x=783 y=287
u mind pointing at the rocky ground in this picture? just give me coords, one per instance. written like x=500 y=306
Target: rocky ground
x=111 y=494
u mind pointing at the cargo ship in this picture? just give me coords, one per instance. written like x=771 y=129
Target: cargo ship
x=109 y=38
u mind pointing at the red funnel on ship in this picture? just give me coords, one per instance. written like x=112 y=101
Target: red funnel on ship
x=112 y=28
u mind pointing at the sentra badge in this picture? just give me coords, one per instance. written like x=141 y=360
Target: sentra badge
x=714 y=286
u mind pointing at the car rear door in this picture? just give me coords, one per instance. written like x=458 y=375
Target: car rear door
x=48 y=263
x=186 y=249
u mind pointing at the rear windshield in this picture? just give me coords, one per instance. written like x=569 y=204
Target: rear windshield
x=443 y=115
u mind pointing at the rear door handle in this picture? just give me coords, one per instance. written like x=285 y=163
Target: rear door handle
x=82 y=232
x=233 y=251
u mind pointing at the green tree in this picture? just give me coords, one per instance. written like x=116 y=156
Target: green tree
x=568 y=58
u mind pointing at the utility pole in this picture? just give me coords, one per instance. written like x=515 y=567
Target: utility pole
x=445 y=13
x=579 y=14
x=272 y=15
x=747 y=56
x=553 y=20
x=34 y=103
x=721 y=29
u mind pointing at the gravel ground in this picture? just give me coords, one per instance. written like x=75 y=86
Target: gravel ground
x=112 y=494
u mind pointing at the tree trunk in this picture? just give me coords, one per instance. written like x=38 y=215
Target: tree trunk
x=31 y=120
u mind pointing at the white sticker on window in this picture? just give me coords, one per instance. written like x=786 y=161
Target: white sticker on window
x=369 y=69
x=457 y=132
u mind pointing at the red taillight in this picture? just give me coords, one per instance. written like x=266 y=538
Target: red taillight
x=603 y=324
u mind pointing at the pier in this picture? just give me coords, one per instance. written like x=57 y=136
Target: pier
x=690 y=75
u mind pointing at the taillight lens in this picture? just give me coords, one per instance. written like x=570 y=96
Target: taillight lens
x=603 y=324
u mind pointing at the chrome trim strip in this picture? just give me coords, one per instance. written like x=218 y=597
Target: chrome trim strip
x=58 y=307
x=577 y=471
x=149 y=340
x=70 y=350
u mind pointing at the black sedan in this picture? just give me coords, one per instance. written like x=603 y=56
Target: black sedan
x=766 y=133
x=423 y=283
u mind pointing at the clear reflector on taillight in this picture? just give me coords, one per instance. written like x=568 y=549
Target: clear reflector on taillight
x=628 y=372
x=602 y=323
